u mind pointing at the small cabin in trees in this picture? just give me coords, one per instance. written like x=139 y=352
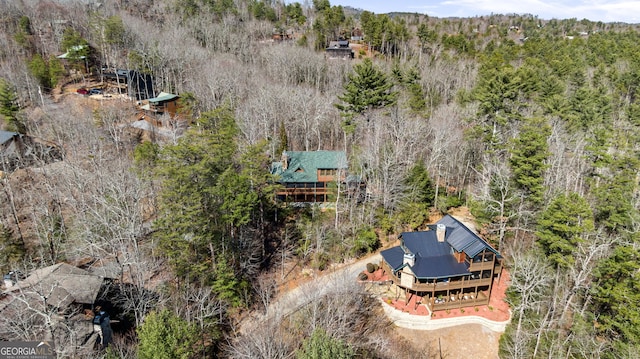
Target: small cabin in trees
x=163 y=103
x=448 y=266
x=339 y=50
x=50 y=300
x=312 y=176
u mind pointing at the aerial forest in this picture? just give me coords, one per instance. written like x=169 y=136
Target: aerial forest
x=529 y=125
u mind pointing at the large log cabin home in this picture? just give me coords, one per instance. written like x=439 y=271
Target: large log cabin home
x=446 y=267
x=306 y=176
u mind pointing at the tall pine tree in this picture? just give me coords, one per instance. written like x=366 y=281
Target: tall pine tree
x=529 y=152
x=368 y=88
x=9 y=108
x=562 y=226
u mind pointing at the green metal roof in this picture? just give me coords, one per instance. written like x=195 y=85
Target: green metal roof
x=163 y=96
x=303 y=166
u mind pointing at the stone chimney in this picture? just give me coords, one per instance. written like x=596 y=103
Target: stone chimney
x=441 y=231
x=409 y=259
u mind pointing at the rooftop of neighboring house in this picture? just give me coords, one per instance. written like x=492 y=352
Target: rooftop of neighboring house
x=71 y=51
x=434 y=259
x=163 y=97
x=303 y=166
x=6 y=136
x=62 y=283
x=340 y=44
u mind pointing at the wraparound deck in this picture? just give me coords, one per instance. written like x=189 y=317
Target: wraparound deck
x=452 y=293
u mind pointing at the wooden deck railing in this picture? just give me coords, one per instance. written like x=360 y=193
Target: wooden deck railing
x=458 y=303
x=478 y=266
x=453 y=285
x=311 y=191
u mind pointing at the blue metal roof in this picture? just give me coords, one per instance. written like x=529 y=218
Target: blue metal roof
x=393 y=257
x=425 y=244
x=439 y=267
x=462 y=239
x=435 y=259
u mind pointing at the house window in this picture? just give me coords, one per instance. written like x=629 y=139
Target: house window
x=327 y=172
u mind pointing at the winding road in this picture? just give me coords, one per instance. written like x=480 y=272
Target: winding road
x=290 y=301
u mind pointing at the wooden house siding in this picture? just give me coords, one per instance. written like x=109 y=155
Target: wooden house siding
x=446 y=277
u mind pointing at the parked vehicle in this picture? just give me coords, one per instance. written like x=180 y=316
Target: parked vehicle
x=95 y=92
x=82 y=91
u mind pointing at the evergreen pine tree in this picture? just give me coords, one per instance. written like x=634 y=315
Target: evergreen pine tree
x=368 y=88
x=188 y=223
x=421 y=187
x=529 y=152
x=164 y=335
x=9 y=108
x=322 y=346
x=562 y=226
x=616 y=296
x=12 y=249
x=283 y=143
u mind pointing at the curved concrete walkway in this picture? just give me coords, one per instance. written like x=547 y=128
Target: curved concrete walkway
x=423 y=322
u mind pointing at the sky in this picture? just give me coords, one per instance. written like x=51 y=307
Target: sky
x=594 y=10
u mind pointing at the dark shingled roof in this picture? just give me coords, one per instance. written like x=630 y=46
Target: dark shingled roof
x=62 y=283
x=435 y=259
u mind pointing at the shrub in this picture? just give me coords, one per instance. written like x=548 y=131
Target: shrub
x=165 y=335
x=320 y=261
x=461 y=310
x=476 y=309
x=371 y=267
x=363 y=276
x=366 y=241
x=322 y=345
x=490 y=308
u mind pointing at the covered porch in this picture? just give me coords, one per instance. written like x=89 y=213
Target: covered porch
x=450 y=293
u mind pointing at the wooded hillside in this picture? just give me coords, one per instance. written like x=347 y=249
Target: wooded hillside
x=532 y=124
